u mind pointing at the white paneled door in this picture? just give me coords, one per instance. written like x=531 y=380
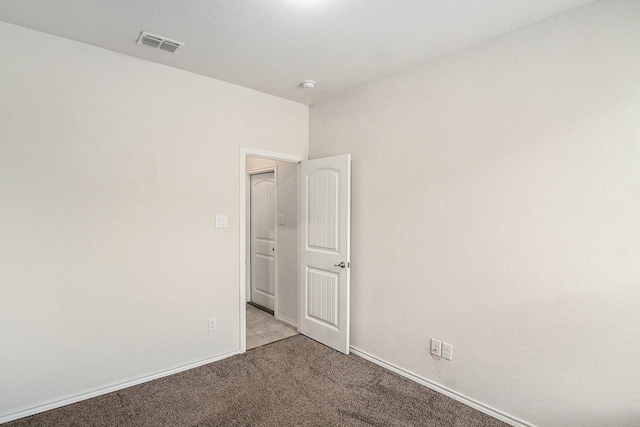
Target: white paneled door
x=262 y=239
x=325 y=206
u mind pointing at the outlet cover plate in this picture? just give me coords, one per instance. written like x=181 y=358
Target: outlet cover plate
x=436 y=347
x=447 y=351
x=221 y=221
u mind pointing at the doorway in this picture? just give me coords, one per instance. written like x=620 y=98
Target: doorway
x=270 y=251
x=322 y=242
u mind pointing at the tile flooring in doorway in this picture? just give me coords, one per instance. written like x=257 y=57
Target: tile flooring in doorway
x=263 y=328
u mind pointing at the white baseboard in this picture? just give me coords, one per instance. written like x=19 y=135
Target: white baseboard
x=286 y=320
x=99 y=392
x=443 y=390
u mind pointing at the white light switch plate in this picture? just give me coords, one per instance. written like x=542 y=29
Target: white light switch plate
x=221 y=221
x=281 y=219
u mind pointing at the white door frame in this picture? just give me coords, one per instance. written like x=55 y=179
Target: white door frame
x=251 y=172
x=244 y=153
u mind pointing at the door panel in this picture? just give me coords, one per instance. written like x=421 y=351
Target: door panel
x=325 y=191
x=262 y=239
x=322 y=301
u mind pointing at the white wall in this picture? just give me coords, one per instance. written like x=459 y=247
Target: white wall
x=112 y=170
x=496 y=206
x=287 y=235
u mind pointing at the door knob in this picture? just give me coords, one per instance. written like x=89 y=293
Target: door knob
x=341 y=265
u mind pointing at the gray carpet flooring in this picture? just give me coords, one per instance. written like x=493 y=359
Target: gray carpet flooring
x=293 y=382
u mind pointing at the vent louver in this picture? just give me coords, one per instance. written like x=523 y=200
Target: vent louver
x=169 y=46
x=151 y=41
x=155 y=41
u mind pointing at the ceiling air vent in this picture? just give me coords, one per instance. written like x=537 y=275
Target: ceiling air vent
x=160 y=42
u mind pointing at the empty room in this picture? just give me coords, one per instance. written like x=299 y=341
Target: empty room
x=435 y=205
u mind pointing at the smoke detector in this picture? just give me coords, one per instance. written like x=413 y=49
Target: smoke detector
x=308 y=84
x=159 y=42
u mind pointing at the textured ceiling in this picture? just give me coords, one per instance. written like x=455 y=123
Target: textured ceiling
x=272 y=45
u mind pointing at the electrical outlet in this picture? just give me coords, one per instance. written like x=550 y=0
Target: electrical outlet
x=447 y=351
x=221 y=221
x=212 y=324
x=436 y=347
